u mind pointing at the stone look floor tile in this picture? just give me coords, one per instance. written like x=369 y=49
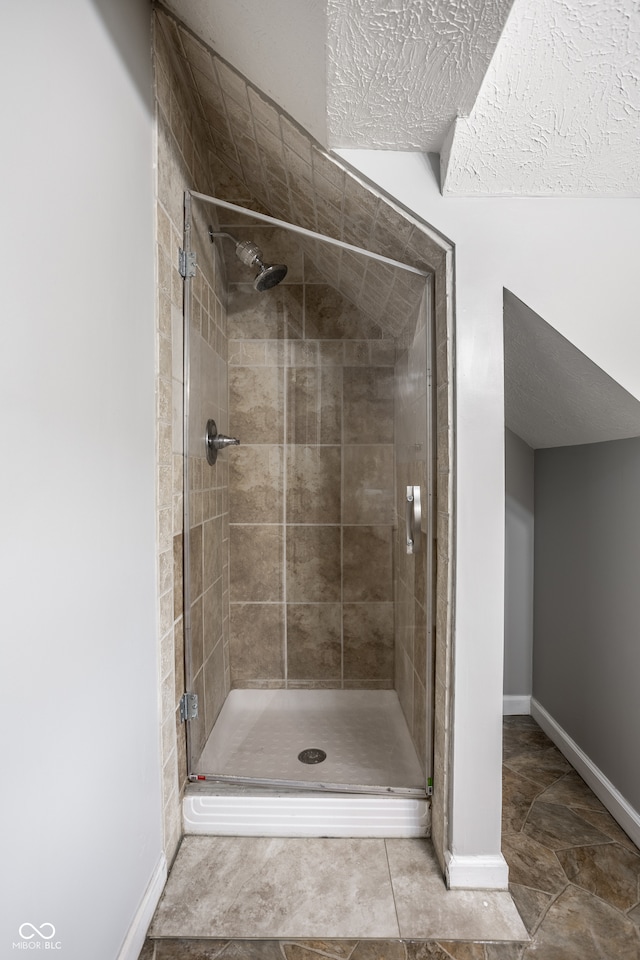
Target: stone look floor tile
x=253 y=950
x=557 y=826
x=503 y=951
x=238 y=886
x=542 y=766
x=522 y=738
x=463 y=951
x=426 y=951
x=531 y=904
x=603 y=821
x=379 y=950
x=608 y=870
x=572 y=791
x=336 y=949
x=189 y=949
x=533 y=865
x=579 y=926
x=518 y=794
x=427 y=910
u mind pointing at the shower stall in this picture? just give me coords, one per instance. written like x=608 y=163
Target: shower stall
x=308 y=539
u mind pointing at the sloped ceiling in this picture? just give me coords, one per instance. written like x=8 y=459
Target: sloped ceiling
x=521 y=97
x=555 y=396
x=259 y=155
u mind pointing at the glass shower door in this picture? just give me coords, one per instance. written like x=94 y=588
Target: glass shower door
x=298 y=583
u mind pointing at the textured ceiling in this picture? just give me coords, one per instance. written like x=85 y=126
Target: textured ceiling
x=399 y=73
x=539 y=100
x=559 y=109
x=554 y=395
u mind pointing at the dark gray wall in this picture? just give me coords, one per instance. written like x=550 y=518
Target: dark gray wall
x=519 y=557
x=586 y=663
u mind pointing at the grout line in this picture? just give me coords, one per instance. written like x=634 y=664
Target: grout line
x=393 y=893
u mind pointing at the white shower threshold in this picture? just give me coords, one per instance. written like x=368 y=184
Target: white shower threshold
x=371 y=783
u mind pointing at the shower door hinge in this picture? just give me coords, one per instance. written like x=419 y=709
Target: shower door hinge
x=188 y=707
x=187 y=264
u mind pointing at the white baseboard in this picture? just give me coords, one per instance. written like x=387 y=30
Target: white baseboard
x=618 y=807
x=516 y=705
x=137 y=932
x=476 y=873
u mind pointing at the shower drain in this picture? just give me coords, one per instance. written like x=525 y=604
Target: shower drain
x=312 y=755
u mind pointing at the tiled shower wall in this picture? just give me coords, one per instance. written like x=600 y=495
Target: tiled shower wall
x=311 y=486
x=181 y=164
x=208 y=485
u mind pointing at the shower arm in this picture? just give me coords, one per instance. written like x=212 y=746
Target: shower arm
x=213 y=235
x=247 y=251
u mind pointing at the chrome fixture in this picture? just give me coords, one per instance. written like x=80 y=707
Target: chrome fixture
x=269 y=274
x=413 y=518
x=215 y=441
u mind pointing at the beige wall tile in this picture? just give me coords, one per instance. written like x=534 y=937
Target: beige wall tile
x=197 y=635
x=313 y=484
x=313 y=564
x=330 y=316
x=212 y=617
x=256 y=559
x=256 y=402
x=368 y=641
x=195 y=561
x=272 y=315
x=256 y=484
x=314 y=403
x=257 y=641
x=214 y=686
x=368 y=404
x=177 y=577
x=213 y=550
x=314 y=641
x=367 y=563
x=368 y=494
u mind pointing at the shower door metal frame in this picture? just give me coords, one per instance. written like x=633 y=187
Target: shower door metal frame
x=306 y=785
x=186 y=253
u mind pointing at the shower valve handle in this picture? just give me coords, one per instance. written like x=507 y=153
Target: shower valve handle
x=220 y=442
x=215 y=441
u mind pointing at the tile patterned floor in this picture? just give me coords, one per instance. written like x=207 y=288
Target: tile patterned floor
x=575 y=878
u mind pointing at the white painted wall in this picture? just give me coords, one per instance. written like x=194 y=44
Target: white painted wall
x=518 y=574
x=279 y=46
x=587 y=604
x=574 y=263
x=80 y=753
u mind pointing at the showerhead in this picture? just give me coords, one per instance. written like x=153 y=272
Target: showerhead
x=269 y=274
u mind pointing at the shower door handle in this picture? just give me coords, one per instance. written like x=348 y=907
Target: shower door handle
x=413 y=515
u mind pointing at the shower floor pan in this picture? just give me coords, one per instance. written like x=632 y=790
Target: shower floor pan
x=371 y=783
